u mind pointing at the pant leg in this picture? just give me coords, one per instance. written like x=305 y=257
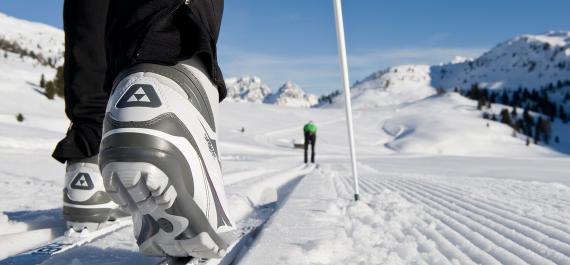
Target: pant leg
x=165 y=32
x=313 y=142
x=306 y=146
x=85 y=69
x=127 y=32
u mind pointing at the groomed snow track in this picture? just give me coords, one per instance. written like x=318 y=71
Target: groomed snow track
x=472 y=229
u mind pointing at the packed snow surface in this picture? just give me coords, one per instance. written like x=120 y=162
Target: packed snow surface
x=418 y=218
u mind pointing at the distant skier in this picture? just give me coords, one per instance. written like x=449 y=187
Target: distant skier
x=310 y=132
x=142 y=91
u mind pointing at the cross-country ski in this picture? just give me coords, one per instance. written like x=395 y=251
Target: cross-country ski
x=71 y=239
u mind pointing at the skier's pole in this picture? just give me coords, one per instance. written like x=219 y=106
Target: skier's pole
x=344 y=69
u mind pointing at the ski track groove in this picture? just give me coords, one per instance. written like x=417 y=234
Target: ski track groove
x=472 y=230
x=346 y=184
x=508 y=229
x=501 y=236
x=471 y=243
x=506 y=206
x=440 y=257
x=452 y=244
x=461 y=242
x=537 y=199
x=486 y=239
x=526 y=225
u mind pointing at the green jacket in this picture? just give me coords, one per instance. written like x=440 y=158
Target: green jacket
x=311 y=128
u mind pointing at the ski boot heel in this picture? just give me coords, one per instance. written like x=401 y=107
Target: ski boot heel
x=146 y=181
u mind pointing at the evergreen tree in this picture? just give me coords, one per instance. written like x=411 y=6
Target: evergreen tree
x=536 y=135
x=527 y=141
x=567 y=97
x=42 y=81
x=542 y=130
x=493 y=97
x=50 y=90
x=505 y=98
x=556 y=139
x=514 y=113
x=20 y=117
x=59 y=82
x=527 y=118
x=474 y=92
x=519 y=125
x=562 y=114
x=506 y=117
x=517 y=99
x=493 y=117
x=546 y=130
x=484 y=94
x=480 y=103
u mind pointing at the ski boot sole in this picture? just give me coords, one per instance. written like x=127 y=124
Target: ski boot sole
x=149 y=183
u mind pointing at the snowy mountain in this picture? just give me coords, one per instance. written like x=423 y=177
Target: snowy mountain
x=247 y=89
x=527 y=61
x=40 y=42
x=253 y=89
x=292 y=95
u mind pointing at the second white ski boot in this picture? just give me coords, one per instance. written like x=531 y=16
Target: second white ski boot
x=86 y=205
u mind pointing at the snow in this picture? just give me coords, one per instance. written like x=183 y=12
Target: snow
x=438 y=186
x=393 y=86
x=39 y=38
x=418 y=218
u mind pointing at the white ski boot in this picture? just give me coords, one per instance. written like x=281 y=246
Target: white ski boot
x=160 y=160
x=86 y=205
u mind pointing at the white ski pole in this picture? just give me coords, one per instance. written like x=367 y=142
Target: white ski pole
x=345 y=83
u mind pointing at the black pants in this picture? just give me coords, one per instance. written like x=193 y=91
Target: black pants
x=310 y=139
x=103 y=37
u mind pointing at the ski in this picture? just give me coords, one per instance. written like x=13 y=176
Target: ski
x=69 y=240
x=245 y=234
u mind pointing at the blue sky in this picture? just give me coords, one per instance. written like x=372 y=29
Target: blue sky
x=295 y=39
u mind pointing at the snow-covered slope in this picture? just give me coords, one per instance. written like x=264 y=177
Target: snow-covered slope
x=393 y=86
x=529 y=61
x=450 y=124
x=43 y=40
x=292 y=95
x=44 y=120
x=247 y=89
